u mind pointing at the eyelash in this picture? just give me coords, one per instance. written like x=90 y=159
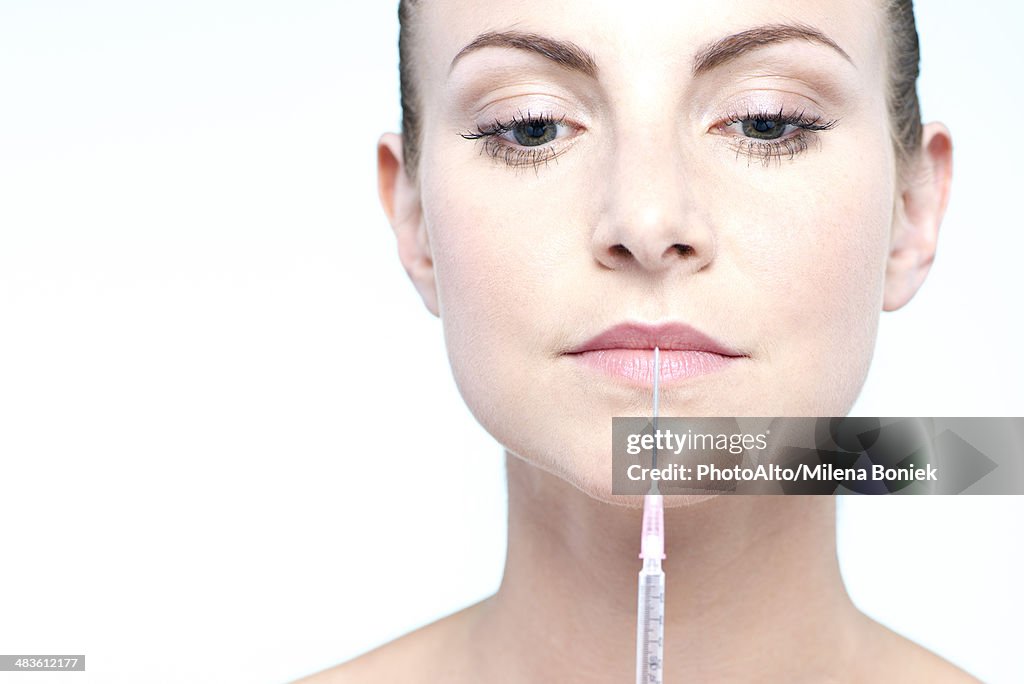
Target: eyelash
x=516 y=156
x=765 y=150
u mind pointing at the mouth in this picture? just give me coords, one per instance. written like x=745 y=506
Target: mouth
x=626 y=351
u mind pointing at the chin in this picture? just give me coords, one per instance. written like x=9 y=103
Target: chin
x=593 y=477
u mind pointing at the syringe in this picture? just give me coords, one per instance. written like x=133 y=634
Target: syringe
x=650 y=619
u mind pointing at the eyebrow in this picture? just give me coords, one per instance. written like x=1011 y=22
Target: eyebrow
x=734 y=46
x=573 y=57
x=561 y=52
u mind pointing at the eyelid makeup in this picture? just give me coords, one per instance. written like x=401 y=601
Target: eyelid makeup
x=795 y=118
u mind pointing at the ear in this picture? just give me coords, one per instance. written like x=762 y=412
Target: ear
x=400 y=197
x=917 y=216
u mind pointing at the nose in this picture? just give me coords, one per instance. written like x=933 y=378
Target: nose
x=651 y=219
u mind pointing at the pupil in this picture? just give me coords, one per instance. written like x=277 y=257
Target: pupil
x=763 y=126
x=535 y=131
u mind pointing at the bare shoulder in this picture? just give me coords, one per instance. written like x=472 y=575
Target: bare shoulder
x=424 y=655
x=902 y=660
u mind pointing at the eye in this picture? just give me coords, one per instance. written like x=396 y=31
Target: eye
x=523 y=131
x=526 y=139
x=770 y=136
x=534 y=133
x=763 y=129
x=768 y=126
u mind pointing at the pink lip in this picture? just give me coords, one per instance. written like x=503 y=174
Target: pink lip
x=627 y=351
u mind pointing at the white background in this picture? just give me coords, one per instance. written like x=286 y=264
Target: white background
x=207 y=344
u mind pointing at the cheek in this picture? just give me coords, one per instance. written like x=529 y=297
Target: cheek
x=816 y=267
x=516 y=288
x=496 y=267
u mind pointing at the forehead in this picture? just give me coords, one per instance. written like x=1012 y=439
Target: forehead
x=650 y=39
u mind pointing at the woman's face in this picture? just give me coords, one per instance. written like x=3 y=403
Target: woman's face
x=663 y=170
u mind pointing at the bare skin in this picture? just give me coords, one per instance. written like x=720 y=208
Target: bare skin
x=650 y=197
x=754 y=595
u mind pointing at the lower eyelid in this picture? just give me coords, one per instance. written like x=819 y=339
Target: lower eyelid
x=774 y=150
x=516 y=157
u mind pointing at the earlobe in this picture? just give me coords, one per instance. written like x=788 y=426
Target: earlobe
x=918 y=215
x=400 y=198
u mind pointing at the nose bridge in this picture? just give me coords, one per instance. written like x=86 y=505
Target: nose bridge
x=650 y=215
x=650 y=182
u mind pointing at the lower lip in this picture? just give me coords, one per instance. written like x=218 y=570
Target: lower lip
x=637 y=365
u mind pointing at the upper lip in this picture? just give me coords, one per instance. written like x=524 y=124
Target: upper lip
x=666 y=336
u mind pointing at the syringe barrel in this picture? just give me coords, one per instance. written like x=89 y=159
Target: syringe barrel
x=650 y=624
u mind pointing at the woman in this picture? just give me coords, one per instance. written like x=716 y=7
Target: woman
x=577 y=183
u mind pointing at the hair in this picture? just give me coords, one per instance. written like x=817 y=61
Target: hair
x=410 y=99
x=904 y=59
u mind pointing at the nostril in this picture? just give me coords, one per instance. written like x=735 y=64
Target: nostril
x=620 y=250
x=682 y=250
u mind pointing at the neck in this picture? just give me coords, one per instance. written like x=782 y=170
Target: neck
x=752 y=586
